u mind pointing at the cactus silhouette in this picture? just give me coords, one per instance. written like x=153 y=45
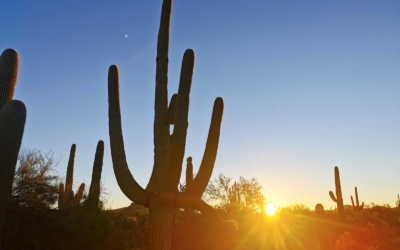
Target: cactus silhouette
x=93 y=199
x=234 y=197
x=161 y=195
x=12 y=124
x=357 y=206
x=338 y=198
x=398 y=201
x=319 y=210
x=66 y=198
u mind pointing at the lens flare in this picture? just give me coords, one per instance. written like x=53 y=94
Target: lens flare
x=270 y=209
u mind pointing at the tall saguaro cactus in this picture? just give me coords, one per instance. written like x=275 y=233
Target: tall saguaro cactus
x=93 y=199
x=12 y=123
x=161 y=195
x=338 y=198
x=357 y=206
x=66 y=198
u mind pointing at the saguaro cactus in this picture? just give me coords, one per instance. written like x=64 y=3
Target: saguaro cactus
x=338 y=199
x=234 y=197
x=12 y=123
x=66 y=198
x=161 y=195
x=319 y=209
x=93 y=199
x=357 y=206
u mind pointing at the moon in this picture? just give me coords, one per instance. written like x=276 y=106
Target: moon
x=126 y=36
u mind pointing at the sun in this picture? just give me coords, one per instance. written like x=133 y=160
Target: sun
x=270 y=209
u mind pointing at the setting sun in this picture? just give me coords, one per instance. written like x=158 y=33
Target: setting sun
x=270 y=209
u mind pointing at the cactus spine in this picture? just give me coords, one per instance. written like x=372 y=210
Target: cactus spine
x=12 y=123
x=161 y=195
x=94 y=190
x=66 y=198
x=338 y=198
x=357 y=206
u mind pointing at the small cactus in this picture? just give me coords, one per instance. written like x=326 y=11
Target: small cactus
x=319 y=210
x=357 y=206
x=338 y=198
x=398 y=201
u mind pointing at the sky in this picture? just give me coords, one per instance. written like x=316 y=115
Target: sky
x=307 y=85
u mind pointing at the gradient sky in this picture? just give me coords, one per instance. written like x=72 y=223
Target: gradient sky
x=308 y=85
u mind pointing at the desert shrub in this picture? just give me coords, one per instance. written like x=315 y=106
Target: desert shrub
x=368 y=231
x=35 y=181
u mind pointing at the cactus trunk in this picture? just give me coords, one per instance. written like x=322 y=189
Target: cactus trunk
x=338 y=199
x=160 y=225
x=12 y=124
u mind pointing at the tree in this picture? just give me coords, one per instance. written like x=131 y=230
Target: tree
x=35 y=183
x=244 y=194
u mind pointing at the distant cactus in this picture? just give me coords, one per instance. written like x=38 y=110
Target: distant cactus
x=66 y=198
x=234 y=197
x=338 y=198
x=357 y=206
x=161 y=195
x=262 y=204
x=93 y=199
x=319 y=209
x=189 y=171
x=398 y=201
x=12 y=123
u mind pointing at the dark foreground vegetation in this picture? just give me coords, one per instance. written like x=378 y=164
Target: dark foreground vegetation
x=35 y=221
x=294 y=227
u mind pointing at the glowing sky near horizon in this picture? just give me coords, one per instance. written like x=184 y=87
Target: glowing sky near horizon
x=308 y=85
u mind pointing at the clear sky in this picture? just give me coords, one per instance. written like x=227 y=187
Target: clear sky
x=308 y=85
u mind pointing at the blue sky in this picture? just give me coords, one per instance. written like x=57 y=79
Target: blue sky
x=308 y=85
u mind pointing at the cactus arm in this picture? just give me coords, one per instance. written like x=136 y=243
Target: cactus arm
x=170 y=118
x=78 y=196
x=174 y=168
x=94 y=190
x=352 y=203
x=357 y=202
x=125 y=180
x=61 y=196
x=12 y=123
x=332 y=195
x=207 y=165
x=189 y=171
x=69 y=179
x=8 y=75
